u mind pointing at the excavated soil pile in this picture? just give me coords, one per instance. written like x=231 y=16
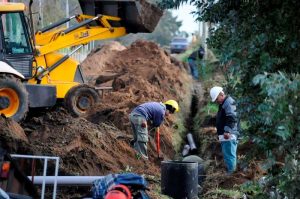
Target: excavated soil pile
x=85 y=148
x=96 y=61
x=99 y=143
x=142 y=72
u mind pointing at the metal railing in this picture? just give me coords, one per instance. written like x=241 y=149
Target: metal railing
x=82 y=53
x=45 y=158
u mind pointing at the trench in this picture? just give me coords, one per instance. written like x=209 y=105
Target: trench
x=191 y=124
x=189 y=167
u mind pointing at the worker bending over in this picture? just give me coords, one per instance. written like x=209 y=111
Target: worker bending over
x=149 y=112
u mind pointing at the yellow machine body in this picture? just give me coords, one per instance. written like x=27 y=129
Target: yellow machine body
x=48 y=43
x=11 y=7
x=62 y=77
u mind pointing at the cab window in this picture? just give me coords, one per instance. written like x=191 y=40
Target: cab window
x=16 y=40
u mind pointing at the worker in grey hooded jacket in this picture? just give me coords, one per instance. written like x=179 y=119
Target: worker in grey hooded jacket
x=227 y=126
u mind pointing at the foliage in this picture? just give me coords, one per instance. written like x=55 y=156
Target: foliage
x=210 y=108
x=167 y=28
x=223 y=193
x=253 y=190
x=278 y=128
x=255 y=39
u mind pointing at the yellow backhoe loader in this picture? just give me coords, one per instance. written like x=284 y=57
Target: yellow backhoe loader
x=32 y=72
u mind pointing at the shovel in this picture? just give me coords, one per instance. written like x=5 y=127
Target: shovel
x=157 y=139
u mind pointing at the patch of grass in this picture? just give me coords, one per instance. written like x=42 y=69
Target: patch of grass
x=209 y=70
x=184 y=56
x=180 y=132
x=223 y=193
x=127 y=169
x=179 y=125
x=251 y=188
x=210 y=109
x=157 y=193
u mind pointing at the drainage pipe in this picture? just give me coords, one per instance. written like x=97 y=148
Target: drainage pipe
x=66 y=180
x=186 y=150
x=191 y=142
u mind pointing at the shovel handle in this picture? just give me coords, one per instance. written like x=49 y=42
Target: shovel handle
x=157 y=138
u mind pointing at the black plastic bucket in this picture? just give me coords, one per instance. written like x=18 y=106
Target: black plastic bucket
x=179 y=180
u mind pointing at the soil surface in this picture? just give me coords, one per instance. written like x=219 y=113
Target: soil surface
x=98 y=144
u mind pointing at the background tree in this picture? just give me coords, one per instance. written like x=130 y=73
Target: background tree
x=257 y=43
x=167 y=28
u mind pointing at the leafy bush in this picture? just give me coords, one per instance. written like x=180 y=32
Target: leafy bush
x=278 y=128
x=210 y=108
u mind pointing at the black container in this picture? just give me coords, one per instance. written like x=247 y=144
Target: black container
x=179 y=180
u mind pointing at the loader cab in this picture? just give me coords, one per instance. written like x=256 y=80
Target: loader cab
x=15 y=46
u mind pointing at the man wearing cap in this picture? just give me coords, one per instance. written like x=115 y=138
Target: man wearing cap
x=227 y=126
x=153 y=112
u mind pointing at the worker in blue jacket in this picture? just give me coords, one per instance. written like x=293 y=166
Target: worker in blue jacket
x=149 y=112
x=194 y=60
x=227 y=126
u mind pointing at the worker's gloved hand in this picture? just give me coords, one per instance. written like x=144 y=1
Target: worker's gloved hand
x=226 y=136
x=144 y=125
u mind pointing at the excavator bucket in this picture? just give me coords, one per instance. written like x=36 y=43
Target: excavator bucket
x=137 y=15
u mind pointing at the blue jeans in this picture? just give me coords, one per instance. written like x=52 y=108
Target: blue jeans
x=229 y=152
x=194 y=68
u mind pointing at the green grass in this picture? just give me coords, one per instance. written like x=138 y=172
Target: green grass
x=179 y=124
x=158 y=194
x=210 y=109
x=223 y=193
x=180 y=132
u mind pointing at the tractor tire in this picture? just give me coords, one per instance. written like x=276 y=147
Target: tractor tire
x=12 y=89
x=80 y=99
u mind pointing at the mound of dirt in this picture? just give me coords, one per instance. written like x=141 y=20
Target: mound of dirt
x=146 y=73
x=96 y=61
x=85 y=148
x=13 y=137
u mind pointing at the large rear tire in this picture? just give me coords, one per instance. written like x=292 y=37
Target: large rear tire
x=16 y=97
x=80 y=99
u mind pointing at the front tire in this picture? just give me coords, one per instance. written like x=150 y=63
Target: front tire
x=80 y=99
x=14 y=91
